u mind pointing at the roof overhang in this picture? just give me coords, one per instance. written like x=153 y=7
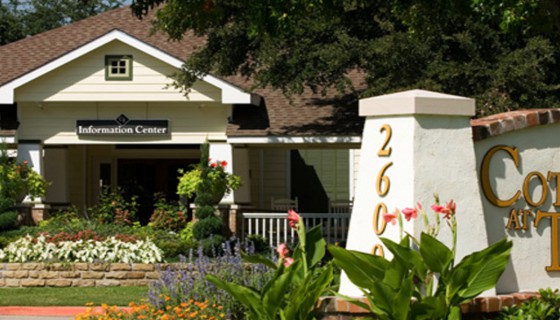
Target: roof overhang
x=230 y=94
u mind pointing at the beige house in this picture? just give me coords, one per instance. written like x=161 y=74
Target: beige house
x=91 y=105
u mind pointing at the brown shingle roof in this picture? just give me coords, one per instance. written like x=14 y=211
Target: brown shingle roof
x=305 y=115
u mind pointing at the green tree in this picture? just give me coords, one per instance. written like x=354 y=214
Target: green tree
x=503 y=53
x=19 y=18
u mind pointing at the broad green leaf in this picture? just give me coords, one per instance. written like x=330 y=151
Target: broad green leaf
x=403 y=298
x=454 y=313
x=303 y=299
x=273 y=298
x=361 y=268
x=356 y=301
x=393 y=302
x=408 y=257
x=429 y=308
x=395 y=274
x=478 y=272
x=436 y=255
x=259 y=259
x=246 y=296
x=315 y=245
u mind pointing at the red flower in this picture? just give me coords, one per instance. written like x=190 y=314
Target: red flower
x=213 y=165
x=410 y=213
x=25 y=162
x=282 y=250
x=223 y=163
x=293 y=218
x=391 y=217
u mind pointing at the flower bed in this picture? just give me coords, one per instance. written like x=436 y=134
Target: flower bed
x=30 y=249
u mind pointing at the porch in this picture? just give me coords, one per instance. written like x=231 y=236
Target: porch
x=273 y=226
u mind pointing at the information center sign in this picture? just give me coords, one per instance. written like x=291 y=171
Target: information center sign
x=122 y=126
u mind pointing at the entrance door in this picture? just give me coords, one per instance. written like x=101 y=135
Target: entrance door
x=145 y=177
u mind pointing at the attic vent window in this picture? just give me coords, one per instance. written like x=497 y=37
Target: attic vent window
x=118 y=67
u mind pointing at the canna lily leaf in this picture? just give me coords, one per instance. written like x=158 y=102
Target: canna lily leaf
x=246 y=296
x=259 y=259
x=435 y=254
x=363 y=269
x=478 y=272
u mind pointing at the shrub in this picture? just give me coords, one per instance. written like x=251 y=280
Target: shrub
x=8 y=220
x=173 y=248
x=209 y=228
x=547 y=307
x=168 y=216
x=259 y=242
x=112 y=207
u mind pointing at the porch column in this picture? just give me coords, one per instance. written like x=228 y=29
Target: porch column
x=242 y=169
x=415 y=143
x=32 y=152
x=221 y=151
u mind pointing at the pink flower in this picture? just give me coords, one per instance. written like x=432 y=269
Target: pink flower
x=451 y=206
x=25 y=162
x=391 y=217
x=437 y=208
x=418 y=206
x=288 y=262
x=293 y=218
x=447 y=211
x=282 y=250
x=223 y=163
x=410 y=213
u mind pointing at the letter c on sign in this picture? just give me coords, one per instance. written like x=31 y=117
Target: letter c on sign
x=485 y=176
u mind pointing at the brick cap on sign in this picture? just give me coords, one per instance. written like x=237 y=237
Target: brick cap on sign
x=417 y=102
x=503 y=123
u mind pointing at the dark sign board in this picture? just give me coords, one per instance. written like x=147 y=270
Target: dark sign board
x=122 y=126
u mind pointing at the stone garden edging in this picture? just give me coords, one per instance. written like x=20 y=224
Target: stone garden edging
x=17 y=275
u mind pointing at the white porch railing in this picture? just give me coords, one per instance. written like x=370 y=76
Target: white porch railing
x=274 y=226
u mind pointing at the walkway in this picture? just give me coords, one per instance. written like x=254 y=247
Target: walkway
x=40 y=313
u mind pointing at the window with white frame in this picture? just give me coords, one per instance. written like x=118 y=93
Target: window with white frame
x=118 y=67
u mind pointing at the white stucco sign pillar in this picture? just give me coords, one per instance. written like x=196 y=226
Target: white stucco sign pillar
x=415 y=143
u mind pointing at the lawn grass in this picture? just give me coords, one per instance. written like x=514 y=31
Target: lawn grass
x=72 y=296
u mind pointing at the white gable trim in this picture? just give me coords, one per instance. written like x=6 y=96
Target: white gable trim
x=230 y=93
x=295 y=140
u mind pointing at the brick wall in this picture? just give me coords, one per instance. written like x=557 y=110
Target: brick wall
x=17 y=275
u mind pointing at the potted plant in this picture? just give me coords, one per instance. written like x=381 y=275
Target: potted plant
x=18 y=179
x=221 y=182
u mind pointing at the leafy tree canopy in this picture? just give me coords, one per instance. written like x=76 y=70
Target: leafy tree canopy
x=20 y=18
x=503 y=53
